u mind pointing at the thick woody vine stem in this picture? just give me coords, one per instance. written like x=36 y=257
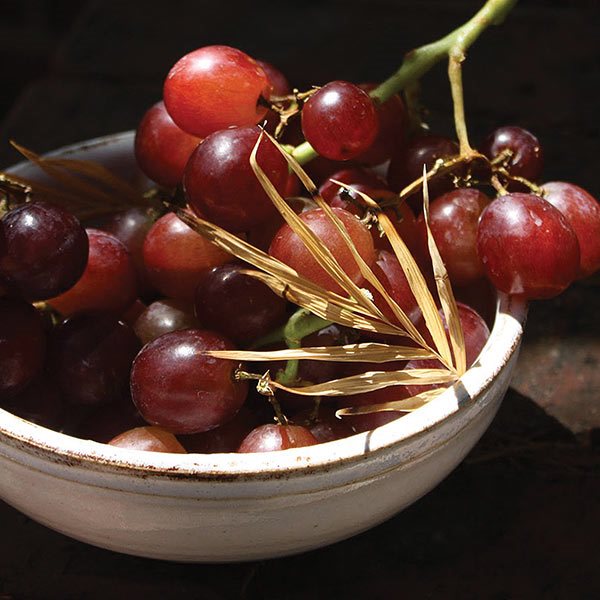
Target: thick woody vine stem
x=420 y=60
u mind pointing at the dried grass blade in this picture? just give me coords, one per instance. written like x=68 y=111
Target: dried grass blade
x=327 y=305
x=445 y=292
x=67 y=179
x=418 y=286
x=404 y=405
x=42 y=191
x=370 y=381
x=285 y=282
x=311 y=241
x=364 y=268
x=369 y=352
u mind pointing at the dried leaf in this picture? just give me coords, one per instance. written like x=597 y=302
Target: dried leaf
x=444 y=290
x=368 y=352
x=311 y=241
x=404 y=405
x=370 y=381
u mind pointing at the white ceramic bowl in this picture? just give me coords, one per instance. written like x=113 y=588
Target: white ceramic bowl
x=229 y=507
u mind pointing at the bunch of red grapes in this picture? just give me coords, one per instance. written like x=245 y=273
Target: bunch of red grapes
x=117 y=351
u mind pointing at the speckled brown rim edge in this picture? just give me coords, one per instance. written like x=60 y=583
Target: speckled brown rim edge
x=60 y=448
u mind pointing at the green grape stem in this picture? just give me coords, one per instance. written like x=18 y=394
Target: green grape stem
x=420 y=60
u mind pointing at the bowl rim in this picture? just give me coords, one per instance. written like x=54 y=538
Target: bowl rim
x=61 y=448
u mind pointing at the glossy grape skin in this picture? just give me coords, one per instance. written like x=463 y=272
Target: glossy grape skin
x=340 y=121
x=527 y=159
x=91 y=356
x=175 y=256
x=22 y=345
x=44 y=250
x=582 y=211
x=391 y=135
x=221 y=186
x=164 y=316
x=237 y=305
x=148 y=439
x=279 y=83
x=454 y=218
x=527 y=247
x=213 y=88
x=389 y=272
x=161 y=148
x=288 y=247
x=407 y=166
x=108 y=283
x=270 y=438
x=131 y=227
x=176 y=386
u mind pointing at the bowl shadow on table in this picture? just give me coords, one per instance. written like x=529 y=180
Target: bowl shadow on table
x=464 y=517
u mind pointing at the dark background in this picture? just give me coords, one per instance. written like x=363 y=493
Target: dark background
x=521 y=517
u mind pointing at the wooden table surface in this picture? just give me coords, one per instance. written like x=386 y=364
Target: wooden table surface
x=520 y=517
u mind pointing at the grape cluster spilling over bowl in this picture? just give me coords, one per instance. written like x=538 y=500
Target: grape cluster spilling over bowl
x=114 y=346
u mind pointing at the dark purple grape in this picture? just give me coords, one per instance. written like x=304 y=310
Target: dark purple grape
x=164 y=316
x=407 y=166
x=527 y=158
x=340 y=121
x=22 y=345
x=130 y=227
x=326 y=427
x=91 y=357
x=45 y=250
x=175 y=385
x=237 y=305
x=221 y=186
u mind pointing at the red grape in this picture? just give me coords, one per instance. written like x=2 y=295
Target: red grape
x=237 y=305
x=44 y=250
x=175 y=385
x=340 y=121
x=161 y=148
x=131 y=228
x=215 y=87
x=175 y=256
x=22 y=345
x=527 y=158
x=454 y=219
x=391 y=136
x=164 y=316
x=220 y=184
x=582 y=211
x=278 y=81
x=269 y=438
x=288 y=247
x=91 y=357
x=527 y=246
x=108 y=282
x=149 y=439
